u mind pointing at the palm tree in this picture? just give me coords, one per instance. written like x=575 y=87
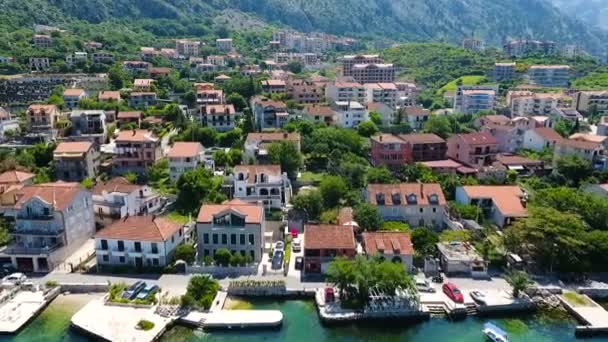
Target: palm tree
x=519 y=281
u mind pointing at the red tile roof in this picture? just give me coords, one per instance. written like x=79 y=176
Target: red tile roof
x=117 y=184
x=136 y=135
x=388 y=243
x=507 y=198
x=73 y=92
x=386 y=138
x=140 y=228
x=422 y=191
x=15 y=176
x=61 y=194
x=185 y=149
x=73 y=147
x=220 y=109
x=36 y=108
x=109 y=95
x=319 y=110
x=416 y=111
x=422 y=138
x=345 y=216
x=130 y=115
x=547 y=133
x=329 y=237
x=253 y=213
x=478 y=138
x=271 y=137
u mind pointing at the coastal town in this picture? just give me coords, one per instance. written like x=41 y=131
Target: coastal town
x=174 y=187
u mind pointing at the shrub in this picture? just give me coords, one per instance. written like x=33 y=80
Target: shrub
x=51 y=284
x=145 y=325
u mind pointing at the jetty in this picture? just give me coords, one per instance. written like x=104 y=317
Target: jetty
x=19 y=305
x=592 y=315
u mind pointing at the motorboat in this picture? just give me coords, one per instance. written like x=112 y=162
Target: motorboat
x=495 y=333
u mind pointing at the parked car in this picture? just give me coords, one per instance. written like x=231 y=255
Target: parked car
x=132 y=291
x=438 y=279
x=8 y=269
x=296 y=245
x=277 y=260
x=453 y=292
x=15 y=278
x=279 y=246
x=147 y=291
x=424 y=286
x=478 y=297
x=299 y=263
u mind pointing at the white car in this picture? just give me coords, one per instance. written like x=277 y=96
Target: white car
x=296 y=245
x=15 y=278
x=424 y=286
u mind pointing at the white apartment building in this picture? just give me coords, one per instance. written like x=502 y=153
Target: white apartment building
x=184 y=157
x=503 y=71
x=475 y=100
x=374 y=73
x=262 y=183
x=345 y=91
x=224 y=44
x=72 y=96
x=587 y=101
x=138 y=241
x=235 y=225
x=349 y=61
x=187 y=48
x=350 y=113
x=256 y=144
x=549 y=75
x=222 y=117
x=381 y=92
x=525 y=103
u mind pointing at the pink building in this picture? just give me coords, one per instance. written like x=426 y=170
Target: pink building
x=390 y=150
x=475 y=149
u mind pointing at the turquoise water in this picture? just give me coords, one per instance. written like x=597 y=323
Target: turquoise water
x=301 y=323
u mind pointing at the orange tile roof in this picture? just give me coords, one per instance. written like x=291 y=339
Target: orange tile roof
x=60 y=194
x=220 y=109
x=136 y=135
x=507 y=198
x=271 y=170
x=73 y=147
x=73 y=92
x=345 y=216
x=388 y=243
x=140 y=228
x=109 y=95
x=254 y=214
x=423 y=192
x=42 y=107
x=547 y=133
x=329 y=237
x=129 y=115
x=319 y=110
x=416 y=111
x=579 y=144
x=15 y=176
x=386 y=138
x=185 y=149
x=478 y=138
x=117 y=184
x=422 y=138
x=251 y=137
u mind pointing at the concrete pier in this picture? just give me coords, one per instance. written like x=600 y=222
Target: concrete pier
x=591 y=314
x=22 y=306
x=234 y=319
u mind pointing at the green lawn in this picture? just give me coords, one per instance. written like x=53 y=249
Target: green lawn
x=311 y=177
x=177 y=217
x=466 y=80
x=577 y=299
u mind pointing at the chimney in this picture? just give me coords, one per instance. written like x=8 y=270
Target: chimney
x=153 y=217
x=380 y=137
x=421 y=190
x=134 y=132
x=285 y=135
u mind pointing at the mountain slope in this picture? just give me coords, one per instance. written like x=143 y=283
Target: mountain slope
x=493 y=20
x=592 y=12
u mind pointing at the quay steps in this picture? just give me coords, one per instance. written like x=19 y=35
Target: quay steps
x=471 y=309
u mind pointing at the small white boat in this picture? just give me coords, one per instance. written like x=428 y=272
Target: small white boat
x=494 y=333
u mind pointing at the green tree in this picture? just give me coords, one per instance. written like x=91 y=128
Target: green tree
x=376 y=118
x=196 y=186
x=519 y=282
x=117 y=77
x=367 y=129
x=88 y=183
x=342 y=274
x=416 y=172
x=466 y=211
x=333 y=189
x=455 y=235
x=295 y=66
x=368 y=217
x=396 y=226
x=310 y=202
x=574 y=168
x=221 y=159
x=222 y=257
x=158 y=174
x=185 y=252
x=438 y=124
x=424 y=241
x=390 y=276
x=238 y=101
x=286 y=154
x=235 y=157
x=201 y=291
x=379 y=175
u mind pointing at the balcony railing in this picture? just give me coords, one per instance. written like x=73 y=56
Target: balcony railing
x=19 y=249
x=35 y=217
x=37 y=231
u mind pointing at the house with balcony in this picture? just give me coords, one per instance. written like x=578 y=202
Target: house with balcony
x=537 y=139
x=75 y=161
x=15 y=179
x=233 y=225
x=72 y=96
x=396 y=247
x=42 y=120
x=345 y=91
x=262 y=183
x=89 y=125
x=593 y=151
x=509 y=137
x=320 y=114
x=386 y=93
x=49 y=222
x=138 y=241
x=417 y=204
x=222 y=117
x=350 y=113
x=416 y=117
x=131 y=117
x=184 y=157
x=7 y=124
x=142 y=99
x=117 y=198
x=425 y=146
x=500 y=203
x=108 y=96
x=136 y=66
x=473 y=149
x=143 y=84
x=256 y=144
x=324 y=243
x=390 y=150
x=549 y=75
x=588 y=101
x=274 y=86
x=268 y=113
x=135 y=151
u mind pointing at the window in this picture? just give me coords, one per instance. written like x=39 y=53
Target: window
x=215 y=239
x=251 y=239
x=154 y=248
x=105 y=258
x=205 y=238
x=121 y=259
x=121 y=246
x=421 y=210
x=137 y=246
x=104 y=245
x=172 y=239
x=233 y=239
x=224 y=239
x=252 y=253
x=434 y=210
x=155 y=262
x=242 y=239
